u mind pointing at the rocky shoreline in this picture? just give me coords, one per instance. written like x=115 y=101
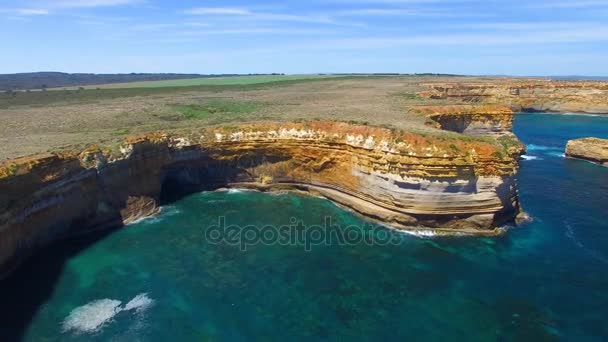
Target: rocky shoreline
x=405 y=180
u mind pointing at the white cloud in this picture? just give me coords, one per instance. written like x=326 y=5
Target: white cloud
x=367 y=12
x=228 y=31
x=482 y=40
x=378 y=11
x=25 y=11
x=153 y=27
x=260 y=16
x=528 y=27
x=197 y=24
x=32 y=11
x=569 y=4
x=218 y=11
x=398 y=2
x=47 y=7
x=93 y=3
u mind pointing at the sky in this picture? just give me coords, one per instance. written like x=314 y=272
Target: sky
x=491 y=37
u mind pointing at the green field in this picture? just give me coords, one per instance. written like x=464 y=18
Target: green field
x=94 y=93
x=212 y=81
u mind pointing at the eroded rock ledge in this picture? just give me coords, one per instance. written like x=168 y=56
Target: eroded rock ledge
x=526 y=95
x=492 y=120
x=405 y=180
x=591 y=149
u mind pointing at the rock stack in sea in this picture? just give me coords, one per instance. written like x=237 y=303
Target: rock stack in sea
x=591 y=149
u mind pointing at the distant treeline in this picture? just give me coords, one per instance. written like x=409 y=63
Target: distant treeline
x=43 y=80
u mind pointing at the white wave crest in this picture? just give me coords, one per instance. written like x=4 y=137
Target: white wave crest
x=533 y=147
x=139 y=303
x=580 y=114
x=420 y=233
x=93 y=316
x=169 y=211
x=527 y=157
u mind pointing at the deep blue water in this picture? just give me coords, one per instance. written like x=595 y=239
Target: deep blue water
x=160 y=279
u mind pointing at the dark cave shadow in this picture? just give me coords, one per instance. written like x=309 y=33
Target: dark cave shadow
x=28 y=287
x=33 y=281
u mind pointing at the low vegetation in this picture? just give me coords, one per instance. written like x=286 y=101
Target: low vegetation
x=49 y=120
x=45 y=97
x=220 y=109
x=215 y=81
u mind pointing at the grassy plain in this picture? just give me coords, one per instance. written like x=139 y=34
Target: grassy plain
x=44 y=121
x=214 y=81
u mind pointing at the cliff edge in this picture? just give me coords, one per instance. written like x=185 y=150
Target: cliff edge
x=404 y=180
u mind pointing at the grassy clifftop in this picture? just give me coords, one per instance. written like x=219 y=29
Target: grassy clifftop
x=46 y=121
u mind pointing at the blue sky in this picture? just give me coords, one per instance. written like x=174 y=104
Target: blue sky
x=517 y=37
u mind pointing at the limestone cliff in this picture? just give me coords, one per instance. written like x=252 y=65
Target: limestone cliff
x=405 y=180
x=591 y=149
x=520 y=95
x=476 y=120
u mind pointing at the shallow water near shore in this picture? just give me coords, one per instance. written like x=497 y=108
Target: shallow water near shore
x=161 y=279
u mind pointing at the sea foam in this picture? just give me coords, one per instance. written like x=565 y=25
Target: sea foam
x=93 y=316
x=420 y=233
x=139 y=303
x=533 y=147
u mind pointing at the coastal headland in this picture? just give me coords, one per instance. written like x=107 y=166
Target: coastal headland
x=409 y=153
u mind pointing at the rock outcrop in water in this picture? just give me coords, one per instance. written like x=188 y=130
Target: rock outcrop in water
x=520 y=95
x=405 y=180
x=591 y=149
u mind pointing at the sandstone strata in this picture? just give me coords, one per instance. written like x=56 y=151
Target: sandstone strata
x=405 y=180
x=520 y=95
x=476 y=120
x=591 y=149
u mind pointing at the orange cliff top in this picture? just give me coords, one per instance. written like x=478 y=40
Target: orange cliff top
x=52 y=165
x=489 y=109
x=525 y=84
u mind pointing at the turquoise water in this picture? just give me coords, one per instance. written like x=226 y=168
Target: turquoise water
x=161 y=279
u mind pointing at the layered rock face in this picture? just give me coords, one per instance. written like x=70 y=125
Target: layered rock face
x=591 y=149
x=542 y=95
x=406 y=181
x=475 y=120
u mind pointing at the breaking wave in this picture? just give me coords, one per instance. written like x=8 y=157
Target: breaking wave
x=93 y=316
x=162 y=213
x=425 y=233
x=527 y=157
x=169 y=211
x=579 y=114
x=549 y=151
x=533 y=147
x=139 y=303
